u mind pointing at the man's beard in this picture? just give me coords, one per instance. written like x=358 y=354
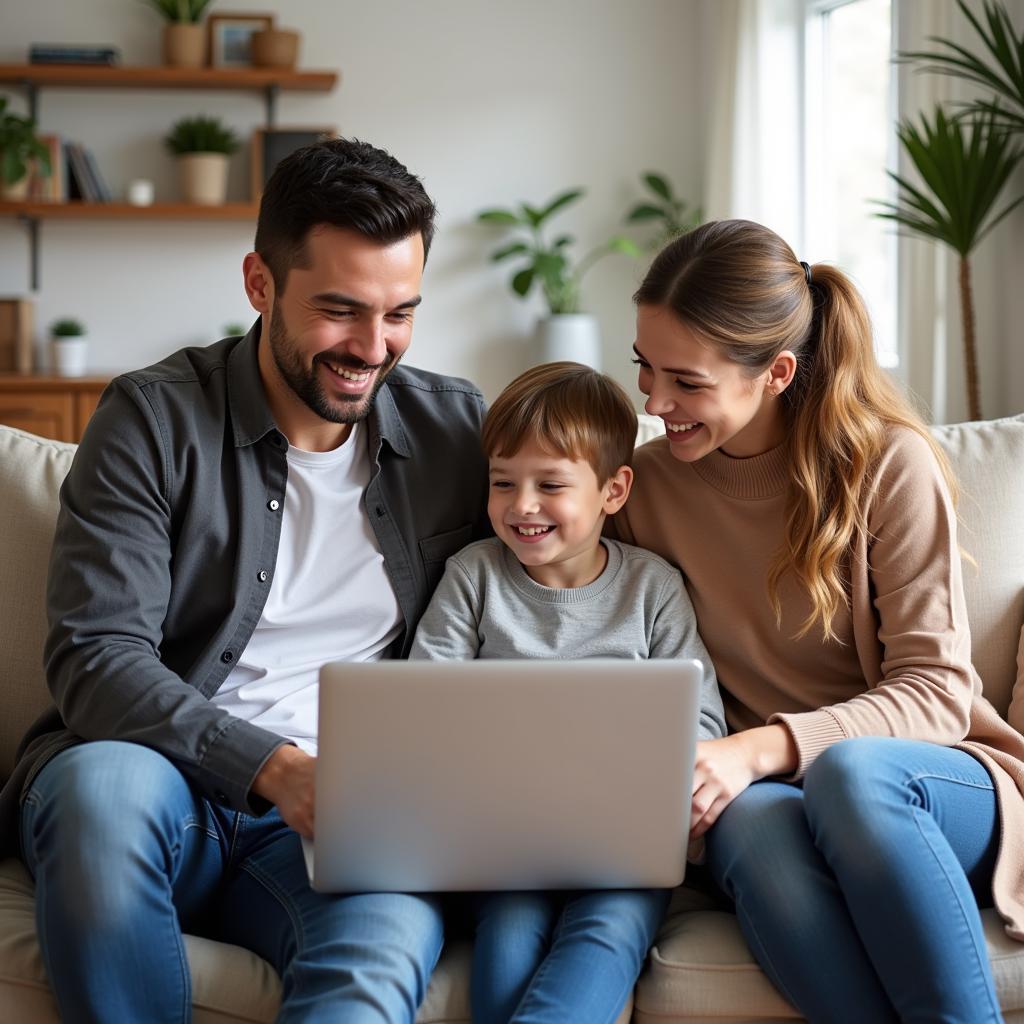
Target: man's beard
x=306 y=383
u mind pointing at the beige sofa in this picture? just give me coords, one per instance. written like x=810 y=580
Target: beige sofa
x=699 y=969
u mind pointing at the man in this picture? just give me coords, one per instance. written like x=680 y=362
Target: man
x=236 y=516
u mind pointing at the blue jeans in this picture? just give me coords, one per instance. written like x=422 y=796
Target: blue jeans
x=859 y=892
x=556 y=958
x=125 y=855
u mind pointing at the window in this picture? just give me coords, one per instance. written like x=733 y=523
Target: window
x=850 y=140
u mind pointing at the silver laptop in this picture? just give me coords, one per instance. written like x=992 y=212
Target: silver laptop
x=488 y=775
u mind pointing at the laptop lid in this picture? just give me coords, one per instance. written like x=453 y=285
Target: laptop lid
x=489 y=775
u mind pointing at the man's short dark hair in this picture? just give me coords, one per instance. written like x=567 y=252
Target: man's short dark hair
x=343 y=183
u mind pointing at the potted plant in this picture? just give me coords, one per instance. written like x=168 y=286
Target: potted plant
x=20 y=151
x=565 y=333
x=665 y=208
x=184 y=37
x=68 y=347
x=202 y=146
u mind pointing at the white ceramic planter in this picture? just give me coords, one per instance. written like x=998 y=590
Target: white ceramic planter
x=569 y=336
x=69 y=357
x=204 y=178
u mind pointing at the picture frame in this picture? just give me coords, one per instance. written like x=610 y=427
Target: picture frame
x=271 y=145
x=229 y=37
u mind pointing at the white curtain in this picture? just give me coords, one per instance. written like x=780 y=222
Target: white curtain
x=754 y=169
x=754 y=163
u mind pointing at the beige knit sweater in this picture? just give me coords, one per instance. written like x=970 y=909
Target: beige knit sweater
x=903 y=667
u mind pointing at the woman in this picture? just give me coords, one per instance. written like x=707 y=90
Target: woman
x=869 y=799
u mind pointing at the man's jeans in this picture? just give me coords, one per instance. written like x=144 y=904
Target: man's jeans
x=125 y=855
x=859 y=892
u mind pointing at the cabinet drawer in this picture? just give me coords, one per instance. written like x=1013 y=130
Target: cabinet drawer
x=46 y=414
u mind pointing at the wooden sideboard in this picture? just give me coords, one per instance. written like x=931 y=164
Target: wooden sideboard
x=57 y=407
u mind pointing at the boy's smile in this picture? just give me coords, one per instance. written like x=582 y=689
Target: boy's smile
x=549 y=511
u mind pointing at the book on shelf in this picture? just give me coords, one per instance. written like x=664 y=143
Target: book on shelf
x=47 y=53
x=84 y=180
x=51 y=188
x=16 y=335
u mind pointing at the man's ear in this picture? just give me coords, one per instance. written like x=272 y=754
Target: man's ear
x=259 y=283
x=617 y=489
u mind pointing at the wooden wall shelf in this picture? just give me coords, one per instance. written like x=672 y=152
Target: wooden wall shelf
x=83 y=76
x=125 y=211
x=33 y=77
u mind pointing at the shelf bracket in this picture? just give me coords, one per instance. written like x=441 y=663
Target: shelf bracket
x=270 y=97
x=32 y=225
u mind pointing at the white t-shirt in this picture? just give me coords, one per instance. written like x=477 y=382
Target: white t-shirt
x=330 y=598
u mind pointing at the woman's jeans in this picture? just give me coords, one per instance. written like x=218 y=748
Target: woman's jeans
x=556 y=958
x=125 y=854
x=859 y=892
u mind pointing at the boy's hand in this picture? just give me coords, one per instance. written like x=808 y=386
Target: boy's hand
x=287 y=780
x=725 y=767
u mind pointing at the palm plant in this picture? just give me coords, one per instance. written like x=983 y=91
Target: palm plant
x=963 y=166
x=1000 y=68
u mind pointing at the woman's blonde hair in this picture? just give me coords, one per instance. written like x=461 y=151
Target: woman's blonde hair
x=740 y=286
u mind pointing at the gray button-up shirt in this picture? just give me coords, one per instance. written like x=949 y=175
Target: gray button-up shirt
x=169 y=522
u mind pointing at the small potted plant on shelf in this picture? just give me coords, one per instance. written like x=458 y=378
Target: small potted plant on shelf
x=68 y=348
x=184 y=37
x=565 y=333
x=202 y=146
x=20 y=152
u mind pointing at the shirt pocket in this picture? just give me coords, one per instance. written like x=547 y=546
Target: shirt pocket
x=436 y=550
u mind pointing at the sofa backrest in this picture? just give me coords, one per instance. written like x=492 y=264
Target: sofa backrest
x=31 y=472
x=988 y=459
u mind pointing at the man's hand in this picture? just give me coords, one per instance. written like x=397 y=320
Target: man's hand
x=287 y=780
x=725 y=767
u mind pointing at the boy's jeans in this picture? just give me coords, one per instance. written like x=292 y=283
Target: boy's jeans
x=556 y=958
x=859 y=892
x=125 y=855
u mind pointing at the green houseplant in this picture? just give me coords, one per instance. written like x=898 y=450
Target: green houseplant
x=964 y=162
x=202 y=146
x=663 y=208
x=547 y=263
x=20 y=149
x=1000 y=67
x=184 y=37
x=964 y=167
x=68 y=348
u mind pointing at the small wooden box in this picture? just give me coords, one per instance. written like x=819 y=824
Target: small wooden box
x=16 y=335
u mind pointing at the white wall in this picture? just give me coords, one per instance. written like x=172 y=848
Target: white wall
x=488 y=101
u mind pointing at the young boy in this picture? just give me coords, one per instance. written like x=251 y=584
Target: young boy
x=548 y=585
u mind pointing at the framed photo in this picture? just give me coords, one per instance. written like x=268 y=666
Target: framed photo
x=230 y=38
x=271 y=145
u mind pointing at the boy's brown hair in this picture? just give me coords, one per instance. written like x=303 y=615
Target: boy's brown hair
x=570 y=411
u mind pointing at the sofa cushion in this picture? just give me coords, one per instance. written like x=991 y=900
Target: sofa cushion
x=988 y=461
x=31 y=472
x=229 y=984
x=700 y=970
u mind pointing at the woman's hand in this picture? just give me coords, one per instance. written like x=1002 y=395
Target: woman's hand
x=725 y=767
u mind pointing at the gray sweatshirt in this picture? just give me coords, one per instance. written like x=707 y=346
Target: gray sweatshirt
x=487 y=606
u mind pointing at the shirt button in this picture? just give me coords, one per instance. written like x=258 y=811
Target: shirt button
x=227 y=657
x=221 y=796
x=379 y=510
x=262 y=575
x=273 y=504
